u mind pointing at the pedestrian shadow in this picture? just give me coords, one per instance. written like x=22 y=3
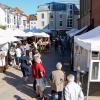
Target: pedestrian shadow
x=19 y=84
x=18 y=97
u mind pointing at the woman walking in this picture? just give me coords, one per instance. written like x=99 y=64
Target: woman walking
x=25 y=67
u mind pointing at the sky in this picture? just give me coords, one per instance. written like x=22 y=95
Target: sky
x=30 y=6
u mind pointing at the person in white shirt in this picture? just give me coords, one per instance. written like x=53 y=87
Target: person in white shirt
x=72 y=90
x=18 y=53
x=12 y=55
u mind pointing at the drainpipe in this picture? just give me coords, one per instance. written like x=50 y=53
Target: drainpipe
x=91 y=17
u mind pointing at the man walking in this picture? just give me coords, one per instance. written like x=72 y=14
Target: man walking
x=57 y=82
x=72 y=90
x=38 y=74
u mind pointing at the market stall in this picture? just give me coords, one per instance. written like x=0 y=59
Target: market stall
x=4 y=47
x=45 y=40
x=87 y=53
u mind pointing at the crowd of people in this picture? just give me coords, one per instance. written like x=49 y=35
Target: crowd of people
x=60 y=45
x=27 y=58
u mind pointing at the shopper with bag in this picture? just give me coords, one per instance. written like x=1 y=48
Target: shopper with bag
x=38 y=75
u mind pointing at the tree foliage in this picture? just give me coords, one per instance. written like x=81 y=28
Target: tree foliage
x=2 y=27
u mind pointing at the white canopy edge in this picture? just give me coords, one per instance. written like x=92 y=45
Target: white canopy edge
x=89 y=40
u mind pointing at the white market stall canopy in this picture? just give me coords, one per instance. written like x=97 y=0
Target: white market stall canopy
x=41 y=34
x=89 y=40
x=37 y=32
x=20 y=33
x=16 y=32
x=6 y=39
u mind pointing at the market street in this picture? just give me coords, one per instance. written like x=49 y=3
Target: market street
x=12 y=86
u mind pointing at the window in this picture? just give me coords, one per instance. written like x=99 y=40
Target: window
x=51 y=23
x=5 y=19
x=60 y=23
x=42 y=16
x=71 y=6
x=24 y=23
x=14 y=20
x=60 y=15
x=8 y=19
x=95 y=55
x=95 y=71
x=71 y=12
x=42 y=23
x=51 y=15
x=69 y=16
x=69 y=23
x=19 y=20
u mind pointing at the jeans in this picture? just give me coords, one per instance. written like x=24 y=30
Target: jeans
x=57 y=95
x=17 y=60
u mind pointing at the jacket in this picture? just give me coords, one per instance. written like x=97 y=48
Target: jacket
x=57 y=80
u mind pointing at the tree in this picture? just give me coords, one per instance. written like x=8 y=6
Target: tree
x=2 y=27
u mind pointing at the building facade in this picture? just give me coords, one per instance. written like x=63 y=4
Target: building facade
x=12 y=17
x=89 y=13
x=32 y=21
x=57 y=17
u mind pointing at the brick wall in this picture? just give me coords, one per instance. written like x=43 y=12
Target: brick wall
x=96 y=12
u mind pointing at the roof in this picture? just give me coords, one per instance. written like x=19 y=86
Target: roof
x=16 y=10
x=54 y=6
x=74 y=31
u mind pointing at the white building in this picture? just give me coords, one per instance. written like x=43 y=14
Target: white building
x=33 y=21
x=21 y=19
x=57 y=17
x=2 y=17
x=12 y=17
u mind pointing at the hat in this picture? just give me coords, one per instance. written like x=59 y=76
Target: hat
x=59 y=66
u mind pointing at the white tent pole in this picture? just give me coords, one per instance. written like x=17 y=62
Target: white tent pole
x=78 y=66
x=88 y=84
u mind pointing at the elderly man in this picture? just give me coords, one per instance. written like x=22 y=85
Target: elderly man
x=38 y=73
x=57 y=82
x=72 y=90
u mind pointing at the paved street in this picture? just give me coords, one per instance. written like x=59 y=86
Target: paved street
x=12 y=86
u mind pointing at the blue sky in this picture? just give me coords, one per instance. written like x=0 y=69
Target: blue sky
x=30 y=6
